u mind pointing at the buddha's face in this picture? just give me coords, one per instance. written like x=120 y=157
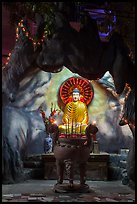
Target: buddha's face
x=76 y=96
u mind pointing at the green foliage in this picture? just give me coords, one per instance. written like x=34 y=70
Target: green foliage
x=18 y=10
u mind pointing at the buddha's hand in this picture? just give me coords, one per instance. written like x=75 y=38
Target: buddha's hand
x=78 y=124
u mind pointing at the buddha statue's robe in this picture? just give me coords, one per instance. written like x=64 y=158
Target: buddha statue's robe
x=75 y=118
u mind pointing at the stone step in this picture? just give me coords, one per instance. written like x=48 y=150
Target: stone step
x=33 y=164
x=33 y=173
x=96 y=168
x=123 y=164
x=34 y=157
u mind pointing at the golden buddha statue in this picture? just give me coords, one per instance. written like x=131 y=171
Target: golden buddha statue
x=75 y=118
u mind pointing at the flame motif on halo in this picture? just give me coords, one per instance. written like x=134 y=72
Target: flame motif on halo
x=84 y=86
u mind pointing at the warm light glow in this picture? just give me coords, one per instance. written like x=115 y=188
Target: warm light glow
x=122 y=101
x=94 y=122
x=112 y=104
x=84 y=86
x=55 y=122
x=20 y=24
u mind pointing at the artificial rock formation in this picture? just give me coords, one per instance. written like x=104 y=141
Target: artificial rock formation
x=81 y=52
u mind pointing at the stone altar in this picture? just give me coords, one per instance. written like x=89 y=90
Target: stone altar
x=97 y=167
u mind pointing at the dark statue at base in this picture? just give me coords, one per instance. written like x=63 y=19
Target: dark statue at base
x=69 y=150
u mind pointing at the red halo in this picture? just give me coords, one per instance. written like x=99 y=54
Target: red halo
x=84 y=86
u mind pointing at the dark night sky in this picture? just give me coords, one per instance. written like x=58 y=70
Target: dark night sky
x=8 y=33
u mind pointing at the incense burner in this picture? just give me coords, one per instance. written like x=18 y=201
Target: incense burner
x=70 y=149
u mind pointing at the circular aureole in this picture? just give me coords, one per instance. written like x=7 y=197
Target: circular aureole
x=85 y=87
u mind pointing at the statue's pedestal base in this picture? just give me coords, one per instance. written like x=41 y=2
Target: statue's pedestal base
x=75 y=188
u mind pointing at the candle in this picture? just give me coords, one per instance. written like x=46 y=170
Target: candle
x=75 y=126
x=72 y=126
x=55 y=106
x=68 y=126
x=80 y=128
x=51 y=106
